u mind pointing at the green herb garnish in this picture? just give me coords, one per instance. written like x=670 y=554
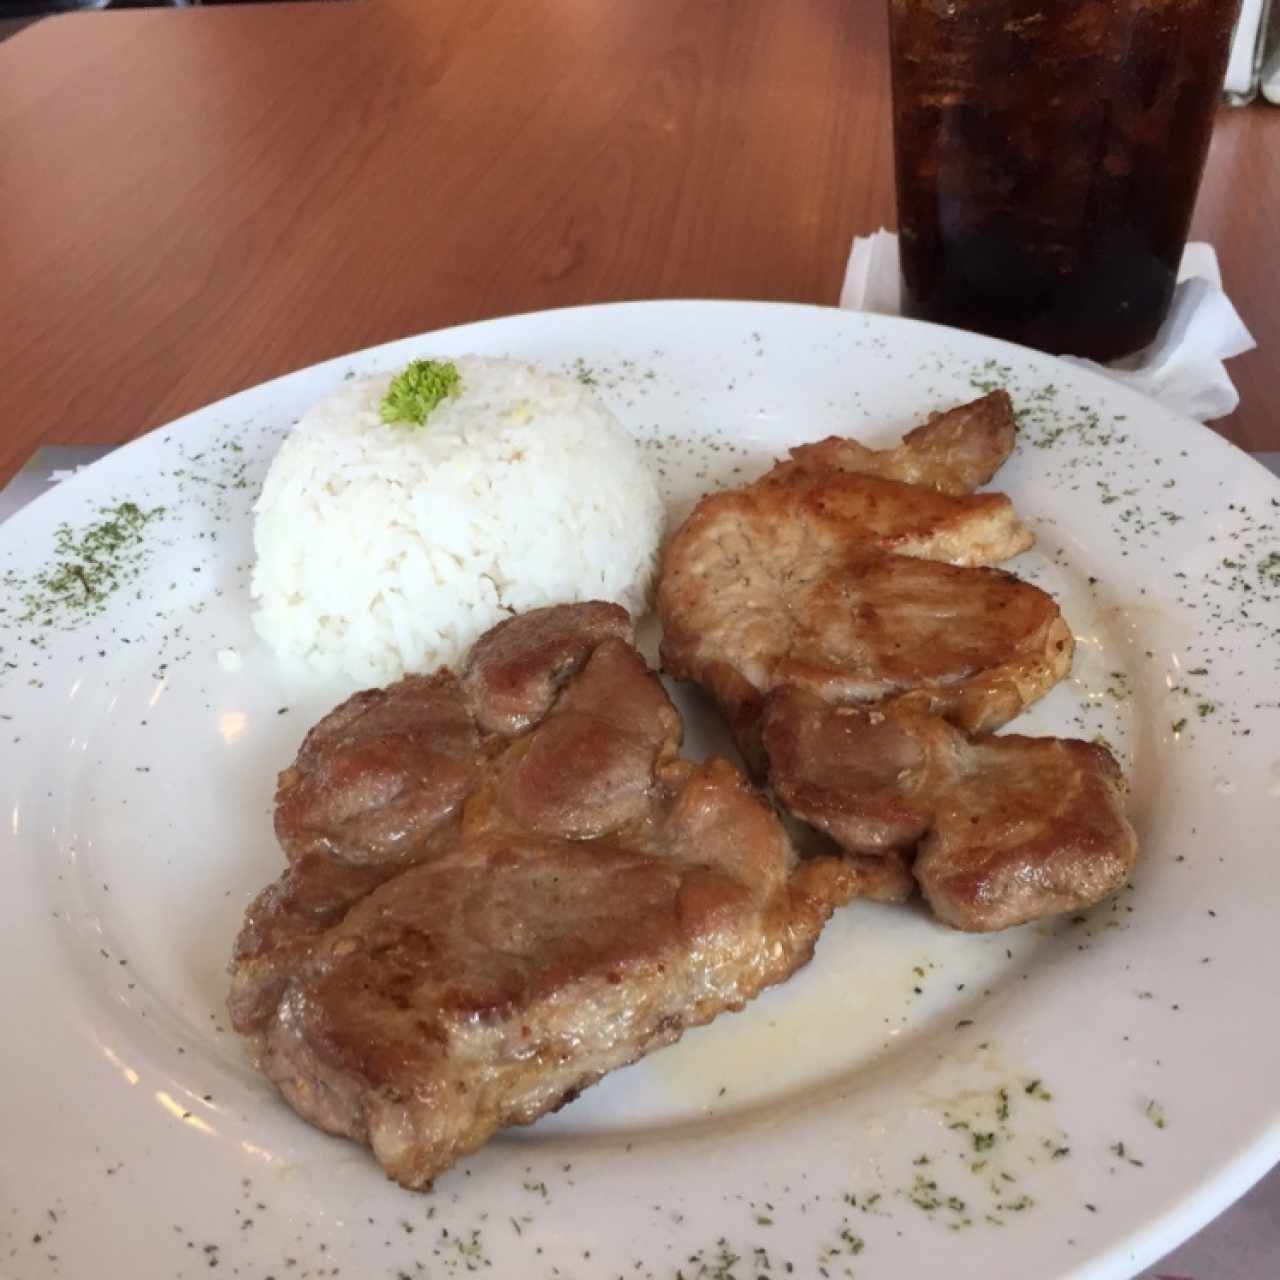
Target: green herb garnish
x=415 y=392
x=87 y=566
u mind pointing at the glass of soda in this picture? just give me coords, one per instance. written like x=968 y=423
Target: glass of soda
x=1048 y=155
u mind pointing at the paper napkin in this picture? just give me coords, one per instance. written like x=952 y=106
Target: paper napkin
x=1183 y=368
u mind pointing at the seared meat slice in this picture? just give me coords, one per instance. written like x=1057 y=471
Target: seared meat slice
x=283 y=924
x=493 y=984
x=843 y=613
x=595 y=896
x=954 y=452
x=833 y=573
x=868 y=779
x=1035 y=827
x=816 y=512
x=975 y=645
x=589 y=768
x=516 y=668
x=382 y=778
x=1008 y=829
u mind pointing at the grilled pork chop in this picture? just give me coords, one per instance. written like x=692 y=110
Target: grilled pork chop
x=863 y=586
x=587 y=897
x=383 y=777
x=953 y=452
x=843 y=613
x=1007 y=828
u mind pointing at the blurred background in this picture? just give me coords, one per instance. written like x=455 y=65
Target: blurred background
x=16 y=14
x=1255 y=58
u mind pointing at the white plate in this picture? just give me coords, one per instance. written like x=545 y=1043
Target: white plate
x=878 y=1116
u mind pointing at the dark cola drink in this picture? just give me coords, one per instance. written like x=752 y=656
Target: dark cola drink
x=1048 y=155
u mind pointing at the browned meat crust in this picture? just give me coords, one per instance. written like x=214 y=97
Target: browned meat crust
x=953 y=452
x=516 y=668
x=843 y=613
x=861 y=586
x=1008 y=829
x=382 y=778
x=589 y=896
x=1035 y=827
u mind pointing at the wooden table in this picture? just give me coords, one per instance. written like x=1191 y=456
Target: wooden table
x=192 y=201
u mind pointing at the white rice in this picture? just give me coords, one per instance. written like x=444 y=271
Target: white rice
x=385 y=548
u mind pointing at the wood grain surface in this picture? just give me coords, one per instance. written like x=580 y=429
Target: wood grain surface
x=194 y=200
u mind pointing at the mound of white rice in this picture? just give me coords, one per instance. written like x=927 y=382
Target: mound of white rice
x=386 y=548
